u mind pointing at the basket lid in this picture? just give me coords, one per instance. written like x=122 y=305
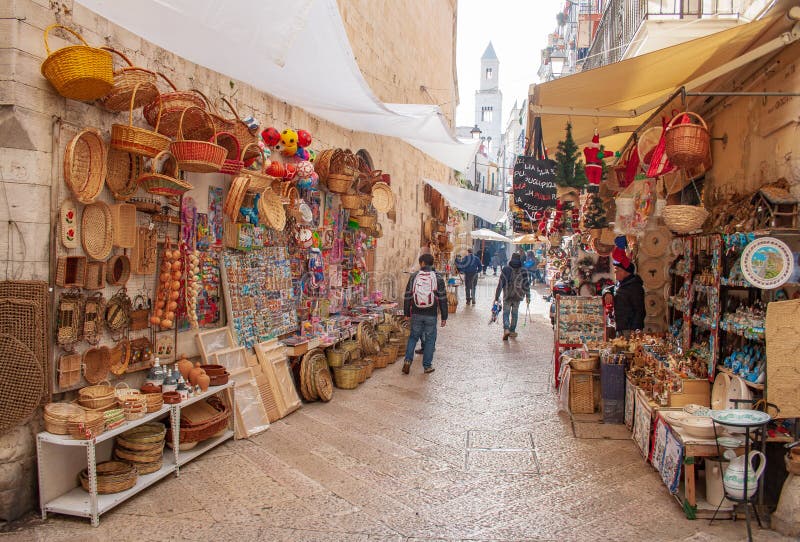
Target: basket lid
x=654 y=303
x=653 y=273
x=382 y=197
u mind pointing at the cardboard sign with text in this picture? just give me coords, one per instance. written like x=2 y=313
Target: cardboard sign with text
x=534 y=184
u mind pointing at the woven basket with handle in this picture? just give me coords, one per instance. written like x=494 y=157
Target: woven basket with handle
x=171 y=105
x=194 y=155
x=130 y=138
x=233 y=162
x=126 y=80
x=162 y=179
x=79 y=72
x=688 y=144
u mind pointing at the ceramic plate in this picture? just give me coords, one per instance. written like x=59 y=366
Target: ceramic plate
x=767 y=263
x=697 y=410
x=676 y=246
x=730 y=442
x=740 y=417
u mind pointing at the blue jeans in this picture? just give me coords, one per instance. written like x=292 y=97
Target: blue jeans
x=422 y=327
x=510 y=309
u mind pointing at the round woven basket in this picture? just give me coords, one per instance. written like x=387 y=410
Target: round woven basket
x=118 y=270
x=97 y=231
x=58 y=415
x=367 y=221
x=271 y=211
x=78 y=72
x=98 y=396
x=336 y=358
x=346 y=377
x=351 y=201
x=382 y=197
x=339 y=183
x=122 y=172
x=588 y=364
x=88 y=424
x=126 y=80
x=171 y=105
x=130 y=138
x=85 y=165
x=684 y=218
x=162 y=179
x=96 y=364
x=112 y=477
x=687 y=144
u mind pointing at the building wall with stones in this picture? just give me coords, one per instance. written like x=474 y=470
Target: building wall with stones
x=405 y=49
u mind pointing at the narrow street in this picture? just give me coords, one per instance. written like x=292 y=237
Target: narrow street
x=474 y=451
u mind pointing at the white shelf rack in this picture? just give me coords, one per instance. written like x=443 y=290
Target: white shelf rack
x=61 y=458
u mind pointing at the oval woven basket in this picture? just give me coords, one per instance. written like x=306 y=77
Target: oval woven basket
x=382 y=197
x=130 y=138
x=194 y=155
x=339 y=183
x=271 y=210
x=118 y=270
x=162 y=179
x=687 y=144
x=122 y=171
x=126 y=80
x=235 y=196
x=97 y=231
x=58 y=415
x=96 y=364
x=351 y=201
x=112 y=477
x=79 y=72
x=684 y=218
x=97 y=396
x=172 y=104
x=85 y=165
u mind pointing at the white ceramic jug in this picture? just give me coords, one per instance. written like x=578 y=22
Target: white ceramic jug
x=734 y=475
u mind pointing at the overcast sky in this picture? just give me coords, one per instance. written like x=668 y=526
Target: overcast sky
x=518 y=30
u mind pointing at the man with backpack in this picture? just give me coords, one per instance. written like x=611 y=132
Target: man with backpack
x=514 y=283
x=425 y=295
x=470 y=266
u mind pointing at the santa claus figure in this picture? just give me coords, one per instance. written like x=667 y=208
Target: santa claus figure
x=594 y=158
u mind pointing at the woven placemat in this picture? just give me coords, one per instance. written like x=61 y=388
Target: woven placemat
x=96 y=231
x=21 y=381
x=34 y=292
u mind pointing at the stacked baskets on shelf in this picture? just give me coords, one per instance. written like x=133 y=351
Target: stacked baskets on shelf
x=112 y=477
x=142 y=446
x=57 y=417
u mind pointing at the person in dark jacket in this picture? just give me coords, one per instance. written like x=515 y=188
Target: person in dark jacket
x=470 y=265
x=514 y=284
x=423 y=319
x=628 y=298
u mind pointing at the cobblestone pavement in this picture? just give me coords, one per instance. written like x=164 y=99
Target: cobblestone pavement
x=474 y=451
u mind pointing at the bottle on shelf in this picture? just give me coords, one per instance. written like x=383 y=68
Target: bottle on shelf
x=155 y=375
x=182 y=388
x=170 y=382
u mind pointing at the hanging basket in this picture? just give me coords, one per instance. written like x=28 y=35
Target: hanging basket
x=235 y=197
x=351 y=201
x=79 y=72
x=684 y=218
x=233 y=163
x=687 y=144
x=85 y=165
x=125 y=82
x=162 y=179
x=339 y=183
x=197 y=156
x=243 y=135
x=122 y=171
x=96 y=231
x=271 y=211
x=171 y=105
x=130 y=138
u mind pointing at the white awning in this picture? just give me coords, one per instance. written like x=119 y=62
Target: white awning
x=485 y=206
x=297 y=52
x=489 y=235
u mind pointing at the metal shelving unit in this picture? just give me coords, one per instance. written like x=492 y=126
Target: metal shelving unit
x=61 y=458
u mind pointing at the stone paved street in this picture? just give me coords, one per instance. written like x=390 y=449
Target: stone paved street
x=474 y=451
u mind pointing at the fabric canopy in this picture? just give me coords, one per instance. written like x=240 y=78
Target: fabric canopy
x=485 y=206
x=297 y=52
x=526 y=239
x=616 y=99
x=489 y=235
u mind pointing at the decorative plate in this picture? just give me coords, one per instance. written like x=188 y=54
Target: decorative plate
x=697 y=410
x=737 y=389
x=676 y=246
x=767 y=263
x=730 y=442
x=740 y=417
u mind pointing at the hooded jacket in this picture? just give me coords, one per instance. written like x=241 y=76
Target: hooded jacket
x=629 y=304
x=470 y=264
x=514 y=283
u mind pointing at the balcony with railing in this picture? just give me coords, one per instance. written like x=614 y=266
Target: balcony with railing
x=623 y=19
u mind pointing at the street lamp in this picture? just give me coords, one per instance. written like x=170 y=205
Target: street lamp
x=557 y=61
x=475 y=132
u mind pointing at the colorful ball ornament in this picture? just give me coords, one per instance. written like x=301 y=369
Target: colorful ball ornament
x=302 y=154
x=289 y=142
x=303 y=138
x=276 y=169
x=312 y=155
x=271 y=136
x=305 y=169
x=290 y=171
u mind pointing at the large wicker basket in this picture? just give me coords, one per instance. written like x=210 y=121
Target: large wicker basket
x=684 y=218
x=194 y=155
x=135 y=140
x=687 y=144
x=206 y=429
x=346 y=377
x=79 y=72
x=126 y=79
x=171 y=105
x=339 y=183
x=112 y=477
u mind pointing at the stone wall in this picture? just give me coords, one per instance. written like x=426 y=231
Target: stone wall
x=405 y=49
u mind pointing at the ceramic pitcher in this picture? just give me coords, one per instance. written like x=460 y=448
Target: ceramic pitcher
x=734 y=475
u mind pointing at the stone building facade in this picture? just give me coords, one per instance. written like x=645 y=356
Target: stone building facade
x=384 y=37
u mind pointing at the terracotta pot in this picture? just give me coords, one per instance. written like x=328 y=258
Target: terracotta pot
x=203 y=380
x=184 y=366
x=194 y=373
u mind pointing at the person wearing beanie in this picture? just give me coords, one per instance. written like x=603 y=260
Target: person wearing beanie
x=514 y=284
x=628 y=295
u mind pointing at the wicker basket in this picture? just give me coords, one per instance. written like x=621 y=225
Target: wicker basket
x=118 y=270
x=154 y=402
x=687 y=145
x=339 y=183
x=123 y=169
x=336 y=358
x=581 y=393
x=97 y=236
x=123 y=220
x=243 y=135
x=78 y=72
x=235 y=197
x=585 y=364
x=351 y=201
x=114 y=417
x=233 y=162
x=71 y=271
x=150 y=454
x=346 y=377
x=367 y=221
x=162 y=179
x=684 y=218
x=87 y=425
x=382 y=358
x=206 y=429
x=134 y=407
x=171 y=105
x=130 y=138
x=97 y=396
x=96 y=364
x=58 y=415
x=112 y=477
x=85 y=165
x=126 y=80
x=194 y=155
x=143 y=437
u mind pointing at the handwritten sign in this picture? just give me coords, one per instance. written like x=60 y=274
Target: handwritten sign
x=534 y=184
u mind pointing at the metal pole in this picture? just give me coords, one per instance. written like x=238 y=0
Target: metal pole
x=756 y=94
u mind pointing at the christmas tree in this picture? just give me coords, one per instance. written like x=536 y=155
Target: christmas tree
x=594 y=213
x=569 y=172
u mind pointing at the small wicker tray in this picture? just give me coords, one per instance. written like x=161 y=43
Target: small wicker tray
x=124 y=224
x=85 y=165
x=96 y=229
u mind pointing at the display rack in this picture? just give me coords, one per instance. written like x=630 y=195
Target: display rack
x=60 y=459
x=579 y=320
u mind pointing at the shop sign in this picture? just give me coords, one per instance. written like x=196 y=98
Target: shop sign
x=534 y=184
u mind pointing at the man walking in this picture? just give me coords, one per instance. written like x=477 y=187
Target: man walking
x=470 y=266
x=514 y=284
x=425 y=295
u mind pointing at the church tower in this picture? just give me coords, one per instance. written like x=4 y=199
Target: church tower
x=489 y=101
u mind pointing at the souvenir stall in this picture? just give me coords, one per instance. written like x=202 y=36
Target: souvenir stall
x=180 y=222
x=703 y=387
